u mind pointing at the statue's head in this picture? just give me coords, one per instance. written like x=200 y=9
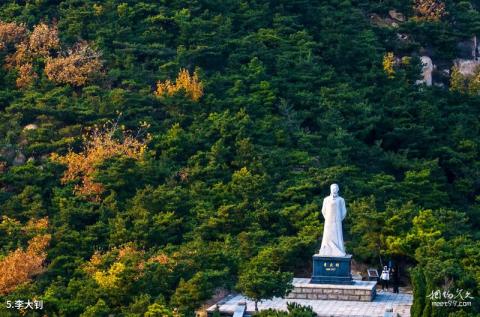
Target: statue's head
x=334 y=190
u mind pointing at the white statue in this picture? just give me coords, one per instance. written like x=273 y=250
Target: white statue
x=427 y=69
x=334 y=211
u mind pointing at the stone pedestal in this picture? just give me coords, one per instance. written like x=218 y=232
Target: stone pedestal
x=332 y=270
x=362 y=291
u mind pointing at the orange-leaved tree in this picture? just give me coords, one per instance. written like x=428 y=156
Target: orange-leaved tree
x=429 y=10
x=41 y=42
x=11 y=33
x=108 y=274
x=20 y=266
x=41 y=47
x=75 y=67
x=190 y=84
x=99 y=145
x=122 y=264
x=26 y=75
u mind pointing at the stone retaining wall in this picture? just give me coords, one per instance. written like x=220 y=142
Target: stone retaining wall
x=319 y=291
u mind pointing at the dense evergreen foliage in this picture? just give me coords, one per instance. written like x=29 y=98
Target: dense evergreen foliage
x=294 y=310
x=294 y=96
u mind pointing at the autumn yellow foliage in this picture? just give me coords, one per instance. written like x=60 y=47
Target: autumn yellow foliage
x=474 y=84
x=429 y=10
x=79 y=64
x=457 y=80
x=108 y=273
x=26 y=75
x=466 y=84
x=388 y=63
x=99 y=145
x=20 y=266
x=43 y=39
x=10 y=225
x=109 y=276
x=161 y=259
x=185 y=82
x=36 y=225
x=75 y=65
x=11 y=33
x=38 y=43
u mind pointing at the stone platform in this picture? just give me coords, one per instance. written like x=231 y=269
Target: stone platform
x=400 y=303
x=364 y=291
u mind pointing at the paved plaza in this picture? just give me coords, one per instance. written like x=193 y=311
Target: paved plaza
x=328 y=308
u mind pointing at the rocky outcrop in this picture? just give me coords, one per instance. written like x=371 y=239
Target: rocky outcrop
x=468 y=49
x=31 y=126
x=383 y=22
x=466 y=67
x=393 y=19
x=19 y=159
x=394 y=14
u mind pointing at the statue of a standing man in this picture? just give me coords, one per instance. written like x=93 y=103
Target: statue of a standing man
x=334 y=211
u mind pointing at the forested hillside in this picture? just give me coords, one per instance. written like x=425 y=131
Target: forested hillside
x=153 y=152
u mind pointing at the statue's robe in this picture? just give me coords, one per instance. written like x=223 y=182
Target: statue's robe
x=334 y=211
